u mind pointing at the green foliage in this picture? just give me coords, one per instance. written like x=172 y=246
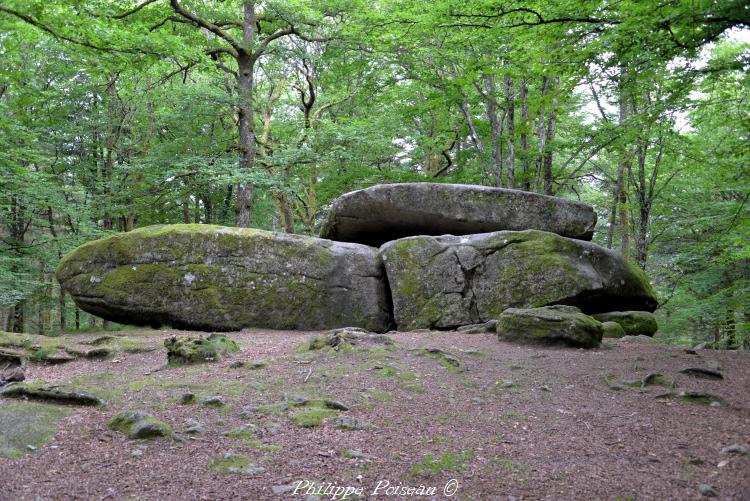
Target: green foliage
x=114 y=117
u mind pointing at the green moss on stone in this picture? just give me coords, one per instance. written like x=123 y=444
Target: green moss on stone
x=27 y=426
x=191 y=350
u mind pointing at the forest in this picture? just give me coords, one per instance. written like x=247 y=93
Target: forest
x=119 y=115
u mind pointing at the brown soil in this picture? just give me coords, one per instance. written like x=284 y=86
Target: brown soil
x=519 y=422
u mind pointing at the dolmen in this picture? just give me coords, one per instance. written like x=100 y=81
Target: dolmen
x=406 y=256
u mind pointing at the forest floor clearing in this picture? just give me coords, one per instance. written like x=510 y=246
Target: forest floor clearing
x=506 y=421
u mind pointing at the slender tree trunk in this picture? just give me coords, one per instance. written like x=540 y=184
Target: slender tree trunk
x=246 y=120
x=542 y=133
x=186 y=207
x=511 y=117
x=550 y=136
x=495 y=130
x=109 y=161
x=644 y=209
x=524 y=138
x=475 y=137
x=63 y=316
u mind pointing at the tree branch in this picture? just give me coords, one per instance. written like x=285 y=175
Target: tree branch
x=84 y=43
x=207 y=25
x=134 y=9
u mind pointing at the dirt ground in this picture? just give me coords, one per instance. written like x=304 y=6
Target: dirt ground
x=511 y=422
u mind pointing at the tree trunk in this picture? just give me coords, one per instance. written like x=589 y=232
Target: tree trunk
x=495 y=130
x=17 y=317
x=644 y=209
x=186 y=207
x=246 y=126
x=542 y=133
x=524 y=138
x=511 y=117
x=63 y=317
x=550 y=136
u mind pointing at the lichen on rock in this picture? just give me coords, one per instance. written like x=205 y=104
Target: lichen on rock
x=216 y=278
x=566 y=324
x=138 y=424
x=442 y=282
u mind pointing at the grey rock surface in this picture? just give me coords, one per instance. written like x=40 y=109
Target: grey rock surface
x=215 y=278
x=385 y=212
x=448 y=281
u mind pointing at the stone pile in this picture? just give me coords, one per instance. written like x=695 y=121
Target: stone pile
x=447 y=256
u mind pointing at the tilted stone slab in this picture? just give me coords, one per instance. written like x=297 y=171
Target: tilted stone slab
x=449 y=281
x=388 y=212
x=216 y=278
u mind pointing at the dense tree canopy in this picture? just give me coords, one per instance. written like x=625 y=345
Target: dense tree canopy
x=116 y=115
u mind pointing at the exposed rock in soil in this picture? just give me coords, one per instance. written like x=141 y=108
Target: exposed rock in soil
x=348 y=337
x=634 y=323
x=51 y=394
x=735 y=449
x=637 y=339
x=193 y=350
x=27 y=426
x=702 y=373
x=216 y=278
x=483 y=328
x=387 y=212
x=446 y=359
x=194 y=427
x=708 y=491
x=350 y=423
x=13 y=375
x=565 y=324
x=447 y=281
x=235 y=464
x=137 y=424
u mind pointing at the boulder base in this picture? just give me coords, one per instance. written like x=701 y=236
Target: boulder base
x=387 y=212
x=612 y=330
x=634 y=323
x=220 y=279
x=565 y=324
x=448 y=281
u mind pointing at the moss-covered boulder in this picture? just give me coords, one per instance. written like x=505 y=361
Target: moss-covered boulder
x=386 y=212
x=193 y=350
x=566 y=324
x=448 y=281
x=612 y=330
x=219 y=279
x=634 y=323
x=138 y=424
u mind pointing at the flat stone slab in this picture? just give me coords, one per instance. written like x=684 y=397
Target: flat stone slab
x=448 y=281
x=385 y=212
x=216 y=278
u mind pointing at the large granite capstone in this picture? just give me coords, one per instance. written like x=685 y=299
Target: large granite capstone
x=448 y=281
x=388 y=212
x=216 y=278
